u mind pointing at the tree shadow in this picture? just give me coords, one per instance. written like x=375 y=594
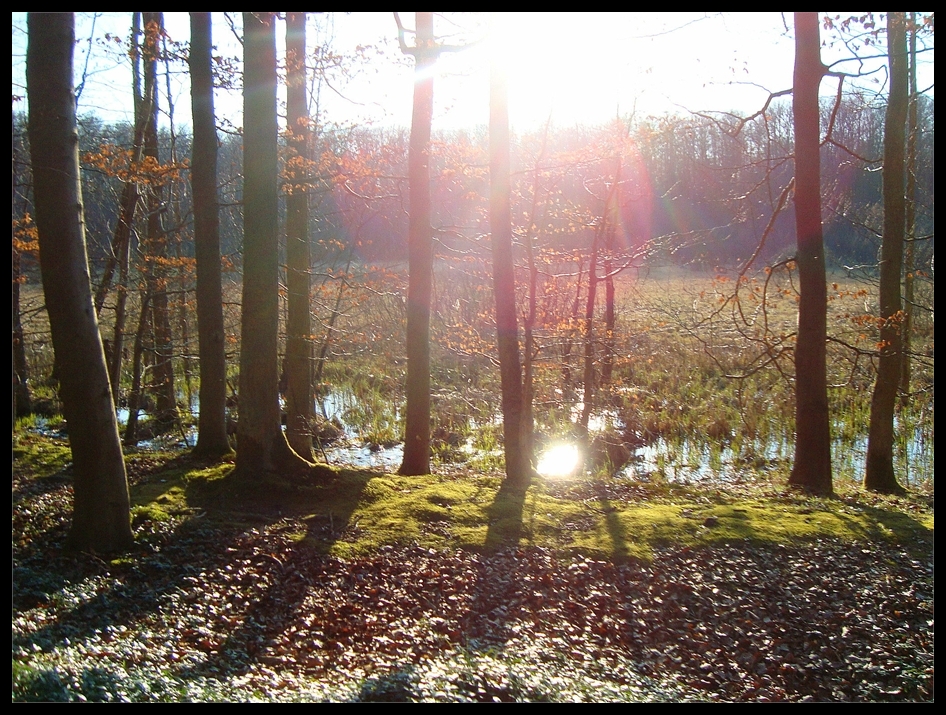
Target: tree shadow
x=167 y=567
x=880 y=524
x=47 y=685
x=396 y=686
x=612 y=521
x=905 y=529
x=486 y=623
x=291 y=574
x=504 y=518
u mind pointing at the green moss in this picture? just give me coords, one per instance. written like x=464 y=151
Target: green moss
x=209 y=474
x=361 y=512
x=40 y=456
x=347 y=512
x=148 y=512
x=633 y=530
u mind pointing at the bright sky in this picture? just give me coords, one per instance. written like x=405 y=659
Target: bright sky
x=580 y=67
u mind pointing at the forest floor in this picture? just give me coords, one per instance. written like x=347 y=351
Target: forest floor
x=237 y=599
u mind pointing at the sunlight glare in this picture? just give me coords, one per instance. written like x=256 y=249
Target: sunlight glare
x=560 y=461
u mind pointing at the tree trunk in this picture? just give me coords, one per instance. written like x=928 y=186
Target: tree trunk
x=118 y=257
x=811 y=471
x=262 y=449
x=588 y=374
x=909 y=258
x=330 y=325
x=518 y=460
x=212 y=440
x=101 y=516
x=299 y=399
x=613 y=211
x=528 y=339
x=21 y=390
x=420 y=257
x=137 y=355
x=607 y=359
x=156 y=245
x=588 y=331
x=880 y=475
x=121 y=239
x=118 y=332
x=568 y=391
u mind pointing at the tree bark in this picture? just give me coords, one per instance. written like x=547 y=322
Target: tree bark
x=121 y=238
x=262 y=449
x=518 y=460
x=156 y=245
x=528 y=337
x=880 y=475
x=212 y=440
x=21 y=391
x=137 y=359
x=588 y=373
x=299 y=398
x=420 y=256
x=613 y=211
x=101 y=515
x=811 y=471
x=909 y=257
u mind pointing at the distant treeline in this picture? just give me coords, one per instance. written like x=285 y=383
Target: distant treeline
x=696 y=189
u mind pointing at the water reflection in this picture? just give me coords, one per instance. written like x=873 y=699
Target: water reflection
x=180 y=436
x=366 y=457
x=357 y=441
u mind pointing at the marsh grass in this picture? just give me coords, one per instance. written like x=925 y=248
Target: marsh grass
x=695 y=373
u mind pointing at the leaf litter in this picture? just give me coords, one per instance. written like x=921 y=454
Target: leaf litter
x=204 y=611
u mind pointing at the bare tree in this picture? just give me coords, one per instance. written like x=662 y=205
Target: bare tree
x=21 y=391
x=528 y=338
x=212 y=438
x=156 y=246
x=602 y=228
x=298 y=367
x=811 y=470
x=880 y=476
x=420 y=250
x=119 y=256
x=909 y=258
x=101 y=516
x=262 y=448
x=518 y=458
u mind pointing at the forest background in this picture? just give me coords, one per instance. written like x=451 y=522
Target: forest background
x=690 y=342
x=698 y=186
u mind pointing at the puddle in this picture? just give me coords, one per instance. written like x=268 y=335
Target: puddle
x=177 y=438
x=691 y=462
x=687 y=461
x=388 y=459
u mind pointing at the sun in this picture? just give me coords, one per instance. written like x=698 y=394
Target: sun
x=560 y=461
x=578 y=67
x=541 y=78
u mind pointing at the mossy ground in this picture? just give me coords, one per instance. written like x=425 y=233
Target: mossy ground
x=359 y=511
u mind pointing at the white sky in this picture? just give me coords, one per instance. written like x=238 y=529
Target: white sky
x=581 y=67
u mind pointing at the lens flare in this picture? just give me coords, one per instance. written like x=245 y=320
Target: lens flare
x=562 y=460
